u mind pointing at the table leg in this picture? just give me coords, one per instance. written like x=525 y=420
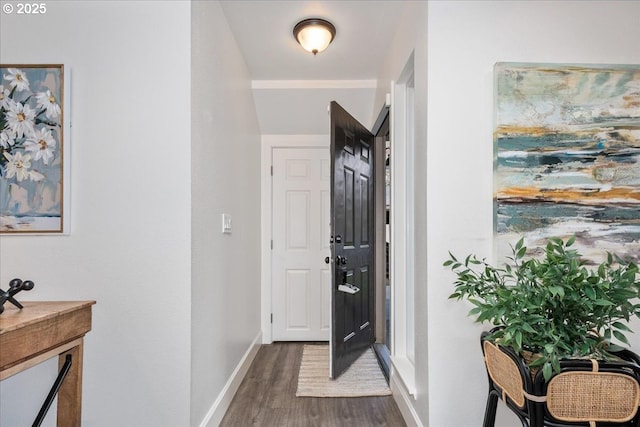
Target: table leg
x=70 y=394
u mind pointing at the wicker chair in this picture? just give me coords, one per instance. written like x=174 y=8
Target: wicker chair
x=585 y=393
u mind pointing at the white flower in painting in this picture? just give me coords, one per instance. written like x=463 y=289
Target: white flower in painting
x=17 y=79
x=7 y=138
x=18 y=165
x=20 y=119
x=4 y=97
x=41 y=144
x=48 y=101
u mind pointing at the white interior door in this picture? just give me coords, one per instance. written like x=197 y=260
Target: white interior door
x=301 y=280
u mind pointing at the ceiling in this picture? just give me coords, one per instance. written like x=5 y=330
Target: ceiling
x=292 y=88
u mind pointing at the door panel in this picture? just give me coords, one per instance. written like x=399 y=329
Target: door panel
x=297 y=219
x=297 y=290
x=352 y=208
x=301 y=280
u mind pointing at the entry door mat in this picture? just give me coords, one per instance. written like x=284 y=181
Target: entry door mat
x=363 y=378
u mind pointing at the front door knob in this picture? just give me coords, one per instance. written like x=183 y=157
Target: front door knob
x=327 y=260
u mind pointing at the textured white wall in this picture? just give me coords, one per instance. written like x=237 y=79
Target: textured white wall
x=465 y=39
x=130 y=245
x=225 y=179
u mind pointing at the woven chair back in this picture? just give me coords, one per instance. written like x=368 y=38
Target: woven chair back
x=504 y=373
x=593 y=397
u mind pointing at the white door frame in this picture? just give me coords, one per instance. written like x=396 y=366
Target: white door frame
x=402 y=225
x=269 y=143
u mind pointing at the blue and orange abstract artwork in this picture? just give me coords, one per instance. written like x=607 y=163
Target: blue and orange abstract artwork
x=567 y=157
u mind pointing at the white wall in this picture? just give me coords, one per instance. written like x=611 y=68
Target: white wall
x=225 y=179
x=465 y=39
x=129 y=247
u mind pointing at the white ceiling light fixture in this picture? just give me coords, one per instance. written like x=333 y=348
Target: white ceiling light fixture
x=314 y=34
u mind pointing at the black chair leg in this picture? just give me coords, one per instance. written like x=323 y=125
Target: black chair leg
x=490 y=411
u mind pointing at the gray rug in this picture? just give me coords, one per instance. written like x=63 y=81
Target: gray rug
x=363 y=378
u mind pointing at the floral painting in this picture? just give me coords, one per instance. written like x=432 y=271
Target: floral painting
x=31 y=148
x=567 y=157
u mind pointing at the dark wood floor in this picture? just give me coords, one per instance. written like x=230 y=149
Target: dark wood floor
x=267 y=397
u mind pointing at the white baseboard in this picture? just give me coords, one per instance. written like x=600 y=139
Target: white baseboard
x=219 y=408
x=404 y=401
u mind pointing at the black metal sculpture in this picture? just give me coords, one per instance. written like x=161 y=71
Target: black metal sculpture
x=15 y=286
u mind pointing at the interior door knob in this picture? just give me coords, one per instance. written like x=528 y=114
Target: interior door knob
x=341 y=260
x=327 y=260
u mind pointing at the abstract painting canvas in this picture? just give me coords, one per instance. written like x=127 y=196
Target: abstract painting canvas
x=31 y=149
x=567 y=157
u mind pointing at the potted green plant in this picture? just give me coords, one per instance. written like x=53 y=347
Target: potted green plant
x=554 y=306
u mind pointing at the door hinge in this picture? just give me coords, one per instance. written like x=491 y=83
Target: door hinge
x=272 y=170
x=271 y=317
x=271 y=244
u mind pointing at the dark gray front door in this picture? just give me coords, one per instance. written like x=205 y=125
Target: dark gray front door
x=352 y=249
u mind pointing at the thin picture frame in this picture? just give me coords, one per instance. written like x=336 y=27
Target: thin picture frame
x=34 y=149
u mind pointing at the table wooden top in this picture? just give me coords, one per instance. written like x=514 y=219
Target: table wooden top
x=36 y=311
x=39 y=328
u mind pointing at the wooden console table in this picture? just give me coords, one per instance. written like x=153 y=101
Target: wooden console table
x=40 y=331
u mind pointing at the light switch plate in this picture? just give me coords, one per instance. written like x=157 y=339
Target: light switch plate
x=226 y=223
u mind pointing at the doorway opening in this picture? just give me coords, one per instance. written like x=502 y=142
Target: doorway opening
x=382 y=346
x=287 y=166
